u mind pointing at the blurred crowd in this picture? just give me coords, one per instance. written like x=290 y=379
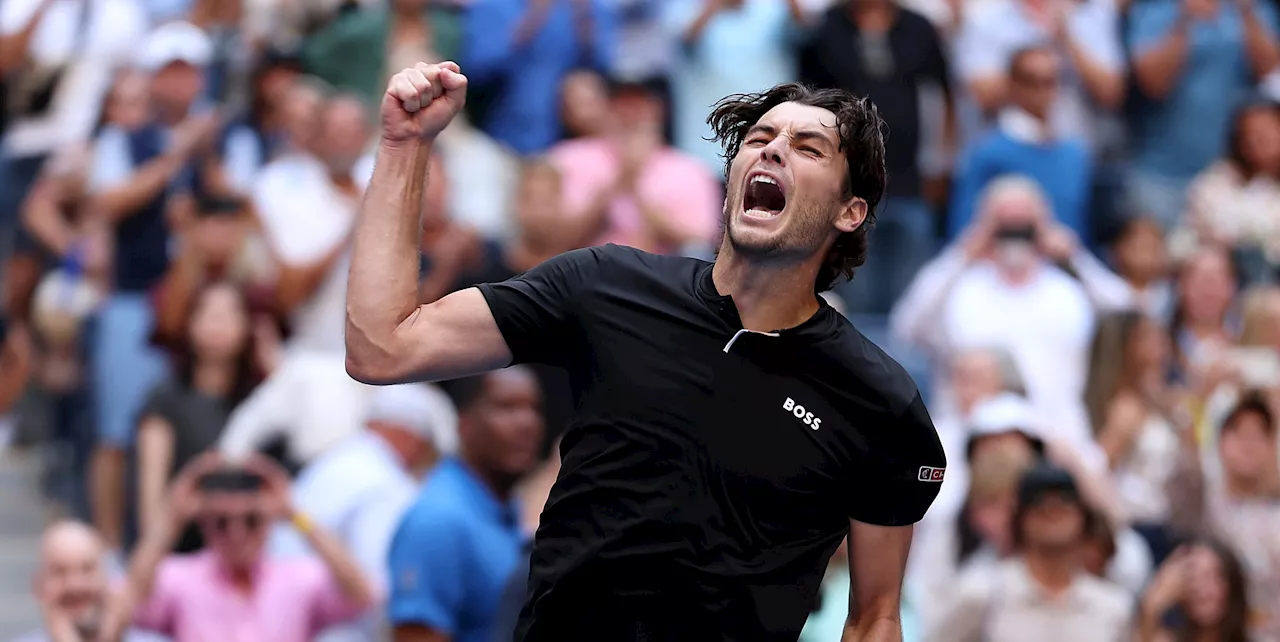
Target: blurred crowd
x=1076 y=258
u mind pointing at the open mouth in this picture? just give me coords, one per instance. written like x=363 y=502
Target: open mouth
x=763 y=197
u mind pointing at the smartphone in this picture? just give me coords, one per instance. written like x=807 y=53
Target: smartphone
x=231 y=481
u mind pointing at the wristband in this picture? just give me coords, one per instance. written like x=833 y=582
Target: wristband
x=302 y=523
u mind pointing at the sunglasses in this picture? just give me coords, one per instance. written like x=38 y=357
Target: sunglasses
x=222 y=522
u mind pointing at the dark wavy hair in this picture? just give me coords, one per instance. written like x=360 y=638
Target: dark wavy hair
x=862 y=134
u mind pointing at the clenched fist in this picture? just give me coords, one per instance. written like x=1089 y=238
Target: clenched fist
x=421 y=100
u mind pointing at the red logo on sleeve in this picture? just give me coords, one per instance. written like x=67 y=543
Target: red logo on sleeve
x=931 y=474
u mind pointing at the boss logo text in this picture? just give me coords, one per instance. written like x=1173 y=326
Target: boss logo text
x=800 y=413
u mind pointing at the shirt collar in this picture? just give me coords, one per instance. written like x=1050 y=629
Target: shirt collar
x=1023 y=127
x=821 y=325
x=481 y=497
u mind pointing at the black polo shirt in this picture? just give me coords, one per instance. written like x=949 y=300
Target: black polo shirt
x=710 y=472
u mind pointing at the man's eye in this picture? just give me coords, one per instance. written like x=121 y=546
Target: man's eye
x=757 y=141
x=810 y=150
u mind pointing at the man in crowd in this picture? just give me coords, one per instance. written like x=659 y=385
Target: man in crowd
x=72 y=587
x=630 y=187
x=232 y=589
x=1043 y=588
x=459 y=543
x=1024 y=142
x=133 y=174
x=359 y=489
x=1001 y=286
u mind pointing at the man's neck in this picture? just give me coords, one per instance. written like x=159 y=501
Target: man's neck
x=768 y=296
x=213 y=379
x=1052 y=571
x=500 y=484
x=1243 y=487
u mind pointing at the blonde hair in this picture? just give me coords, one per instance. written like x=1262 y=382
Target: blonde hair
x=1256 y=325
x=995 y=474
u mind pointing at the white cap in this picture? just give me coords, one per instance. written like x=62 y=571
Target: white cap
x=1002 y=414
x=175 y=42
x=421 y=409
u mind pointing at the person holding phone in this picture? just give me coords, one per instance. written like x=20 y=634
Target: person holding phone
x=1017 y=280
x=230 y=590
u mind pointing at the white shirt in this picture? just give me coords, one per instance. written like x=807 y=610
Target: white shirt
x=357 y=491
x=94 y=52
x=309 y=399
x=305 y=217
x=1046 y=324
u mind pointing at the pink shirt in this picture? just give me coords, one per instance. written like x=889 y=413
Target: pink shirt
x=192 y=601
x=677 y=185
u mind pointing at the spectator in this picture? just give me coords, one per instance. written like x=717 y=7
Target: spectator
x=231 y=589
x=260 y=134
x=15 y=356
x=896 y=54
x=1140 y=259
x=1024 y=142
x=133 y=175
x=1236 y=501
x=214 y=368
x=1204 y=585
x=517 y=53
x=72 y=586
x=1202 y=325
x=307 y=205
x=1193 y=60
x=584 y=104
x=727 y=47
x=1230 y=203
x=1014 y=600
x=216 y=243
x=360 y=488
x=629 y=188
x=1254 y=363
x=1001 y=287
x=59 y=56
x=977 y=536
x=458 y=545
x=1132 y=413
x=1084 y=35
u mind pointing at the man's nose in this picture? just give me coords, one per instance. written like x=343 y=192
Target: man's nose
x=775 y=151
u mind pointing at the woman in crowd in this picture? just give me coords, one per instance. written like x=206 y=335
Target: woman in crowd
x=1142 y=260
x=214 y=363
x=1202 y=586
x=1128 y=401
x=1201 y=324
x=1237 y=499
x=1253 y=364
x=1232 y=204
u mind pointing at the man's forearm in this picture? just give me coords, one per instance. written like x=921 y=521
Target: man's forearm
x=884 y=629
x=382 y=289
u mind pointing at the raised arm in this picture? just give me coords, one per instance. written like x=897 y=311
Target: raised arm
x=390 y=338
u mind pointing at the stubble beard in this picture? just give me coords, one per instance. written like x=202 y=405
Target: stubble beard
x=797 y=240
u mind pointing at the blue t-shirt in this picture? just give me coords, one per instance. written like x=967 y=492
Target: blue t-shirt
x=453 y=555
x=1180 y=134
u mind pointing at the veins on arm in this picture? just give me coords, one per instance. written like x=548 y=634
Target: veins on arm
x=877 y=565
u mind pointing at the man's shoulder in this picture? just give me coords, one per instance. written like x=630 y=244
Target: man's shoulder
x=854 y=357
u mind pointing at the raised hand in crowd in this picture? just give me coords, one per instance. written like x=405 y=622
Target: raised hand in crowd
x=1163 y=593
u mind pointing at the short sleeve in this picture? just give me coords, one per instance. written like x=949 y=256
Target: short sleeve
x=156 y=613
x=428 y=569
x=1097 y=27
x=161 y=402
x=537 y=312
x=1149 y=23
x=112 y=163
x=904 y=472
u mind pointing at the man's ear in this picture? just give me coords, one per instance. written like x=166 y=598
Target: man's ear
x=852 y=213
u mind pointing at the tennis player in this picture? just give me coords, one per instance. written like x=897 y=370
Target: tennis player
x=731 y=428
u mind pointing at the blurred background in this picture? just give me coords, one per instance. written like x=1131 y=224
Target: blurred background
x=1076 y=259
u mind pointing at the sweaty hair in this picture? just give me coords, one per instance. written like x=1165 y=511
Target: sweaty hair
x=861 y=139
